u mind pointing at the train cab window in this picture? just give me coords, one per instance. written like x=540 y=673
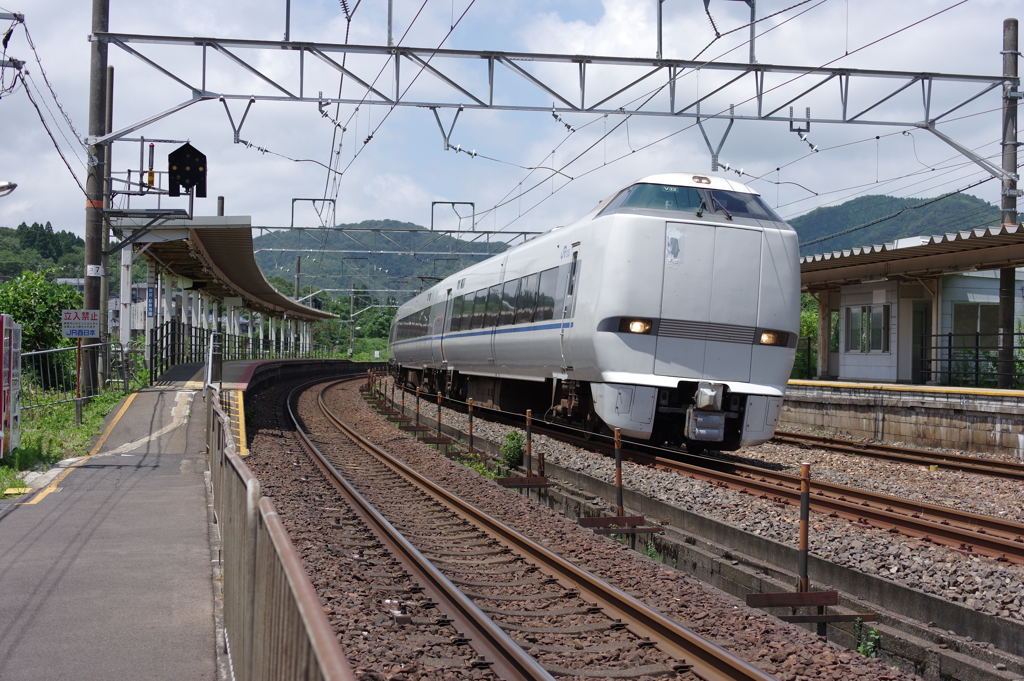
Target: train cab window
x=479 y=307
x=656 y=197
x=743 y=205
x=508 y=303
x=546 y=295
x=527 y=299
x=493 y=306
x=456 y=314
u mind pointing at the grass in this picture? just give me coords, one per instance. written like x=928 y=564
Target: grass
x=50 y=434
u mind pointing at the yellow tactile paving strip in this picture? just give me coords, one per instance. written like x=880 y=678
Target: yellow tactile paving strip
x=232 y=402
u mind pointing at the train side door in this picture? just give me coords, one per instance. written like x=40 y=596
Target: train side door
x=444 y=325
x=568 y=308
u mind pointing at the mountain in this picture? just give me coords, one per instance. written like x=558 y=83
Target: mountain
x=953 y=214
x=335 y=259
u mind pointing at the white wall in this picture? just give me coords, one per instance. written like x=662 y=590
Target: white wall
x=869 y=366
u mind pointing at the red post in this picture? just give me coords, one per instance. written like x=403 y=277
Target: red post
x=805 y=513
x=618 y=473
x=469 y=402
x=439 y=414
x=529 y=444
x=417 y=405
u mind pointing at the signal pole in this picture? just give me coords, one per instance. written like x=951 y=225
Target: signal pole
x=96 y=170
x=1008 y=275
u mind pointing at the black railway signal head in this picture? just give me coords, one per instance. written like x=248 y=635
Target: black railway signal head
x=186 y=167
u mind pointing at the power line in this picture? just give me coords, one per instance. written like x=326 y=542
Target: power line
x=53 y=139
x=896 y=214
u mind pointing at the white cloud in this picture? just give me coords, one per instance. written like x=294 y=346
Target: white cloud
x=404 y=167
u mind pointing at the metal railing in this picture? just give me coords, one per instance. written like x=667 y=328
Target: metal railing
x=966 y=359
x=52 y=376
x=805 y=366
x=274 y=625
x=175 y=342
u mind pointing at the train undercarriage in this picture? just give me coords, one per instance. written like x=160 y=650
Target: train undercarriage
x=681 y=415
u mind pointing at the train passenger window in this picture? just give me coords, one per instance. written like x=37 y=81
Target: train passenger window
x=527 y=299
x=422 y=319
x=467 y=312
x=508 y=303
x=493 y=306
x=546 y=294
x=479 y=307
x=456 y=314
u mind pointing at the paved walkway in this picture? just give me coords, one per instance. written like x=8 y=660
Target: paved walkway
x=106 y=573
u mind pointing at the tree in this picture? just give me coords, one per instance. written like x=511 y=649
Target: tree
x=35 y=302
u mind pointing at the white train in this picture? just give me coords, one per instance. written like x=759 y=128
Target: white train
x=670 y=311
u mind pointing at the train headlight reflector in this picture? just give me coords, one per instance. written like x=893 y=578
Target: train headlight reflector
x=780 y=338
x=635 y=326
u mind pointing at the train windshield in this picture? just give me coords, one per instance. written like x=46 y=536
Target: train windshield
x=658 y=197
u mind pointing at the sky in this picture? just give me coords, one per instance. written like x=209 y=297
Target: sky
x=404 y=167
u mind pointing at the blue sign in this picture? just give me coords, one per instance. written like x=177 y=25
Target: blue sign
x=150 y=296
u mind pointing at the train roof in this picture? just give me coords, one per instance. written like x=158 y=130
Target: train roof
x=697 y=180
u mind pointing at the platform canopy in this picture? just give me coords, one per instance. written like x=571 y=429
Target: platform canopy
x=913 y=258
x=216 y=254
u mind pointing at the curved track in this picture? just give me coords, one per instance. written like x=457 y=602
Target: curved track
x=516 y=594
x=966 y=532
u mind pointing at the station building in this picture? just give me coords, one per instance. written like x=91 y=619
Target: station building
x=893 y=312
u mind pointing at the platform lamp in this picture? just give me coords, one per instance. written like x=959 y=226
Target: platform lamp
x=7 y=187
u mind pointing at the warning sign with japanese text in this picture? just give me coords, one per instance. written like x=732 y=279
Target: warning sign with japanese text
x=80 y=323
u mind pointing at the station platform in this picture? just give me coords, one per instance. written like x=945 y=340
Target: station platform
x=960 y=418
x=107 y=567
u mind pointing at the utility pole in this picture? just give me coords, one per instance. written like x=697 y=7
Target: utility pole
x=94 y=227
x=298 y=264
x=351 y=321
x=108 y=126
x=1008 y=275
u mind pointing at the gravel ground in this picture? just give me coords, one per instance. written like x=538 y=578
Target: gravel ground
x=979 y=583
x=789 y=653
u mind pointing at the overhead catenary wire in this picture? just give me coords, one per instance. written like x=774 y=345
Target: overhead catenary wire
x=577 y=176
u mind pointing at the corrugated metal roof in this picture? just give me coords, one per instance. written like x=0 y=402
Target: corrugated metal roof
x=983 y=248
x=222 y=260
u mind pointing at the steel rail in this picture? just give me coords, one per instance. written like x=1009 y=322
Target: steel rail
x=956 y=462
x=872 y=510
x=929 y=522
x=509 y=660
x=708 y=660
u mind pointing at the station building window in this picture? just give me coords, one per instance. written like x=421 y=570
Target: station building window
x=867 y=328
x=976 y=323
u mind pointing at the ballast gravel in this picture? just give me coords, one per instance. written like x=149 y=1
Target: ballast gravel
x=787 y=652
x=977 y=582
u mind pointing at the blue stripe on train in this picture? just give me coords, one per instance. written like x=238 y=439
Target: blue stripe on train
x=486 y=332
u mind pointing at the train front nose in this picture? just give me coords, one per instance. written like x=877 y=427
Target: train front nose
x=709 y=302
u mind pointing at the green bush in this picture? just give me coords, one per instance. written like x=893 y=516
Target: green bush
x=513 y=449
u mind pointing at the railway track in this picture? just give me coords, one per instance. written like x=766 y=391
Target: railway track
x=921 y=457
x=507 y=594
x=968 y=533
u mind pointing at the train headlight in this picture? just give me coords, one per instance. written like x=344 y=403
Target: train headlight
x=627 y=325
x=780 y=338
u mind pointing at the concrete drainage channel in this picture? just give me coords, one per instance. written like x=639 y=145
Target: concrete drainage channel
x=947 y=648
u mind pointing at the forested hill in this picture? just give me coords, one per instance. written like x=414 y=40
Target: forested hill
x=37 y=247
x=388 y=253
x=955 y=213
